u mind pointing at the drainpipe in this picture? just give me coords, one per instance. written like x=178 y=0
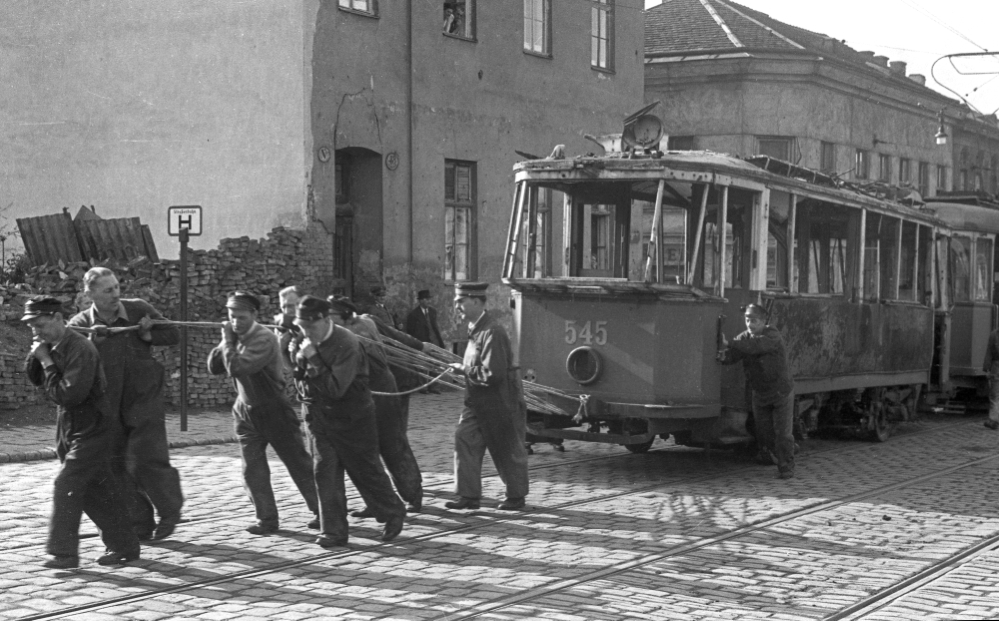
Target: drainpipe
x=409 y=125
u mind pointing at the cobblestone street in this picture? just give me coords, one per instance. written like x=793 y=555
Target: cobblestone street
x=673 y=534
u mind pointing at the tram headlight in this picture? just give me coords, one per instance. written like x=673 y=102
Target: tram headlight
x=584 y=365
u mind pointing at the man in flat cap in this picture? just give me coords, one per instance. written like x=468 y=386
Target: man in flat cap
x=393 y=442
x=135 y=391
x=379 y=310
x=331 y=375
x=495 y=414
x=761 y=350
x=68 y=368
x=251 y=355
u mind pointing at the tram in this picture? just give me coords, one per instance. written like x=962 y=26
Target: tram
x=627 y=268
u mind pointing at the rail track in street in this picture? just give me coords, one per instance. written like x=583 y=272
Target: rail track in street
x=500 y=604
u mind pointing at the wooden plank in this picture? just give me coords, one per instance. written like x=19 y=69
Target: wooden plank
x=48 y=239
x=150 y=244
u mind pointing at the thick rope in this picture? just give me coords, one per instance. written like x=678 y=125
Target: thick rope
x=411 y=391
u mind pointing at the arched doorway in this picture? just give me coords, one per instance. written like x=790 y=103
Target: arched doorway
x=357 y=260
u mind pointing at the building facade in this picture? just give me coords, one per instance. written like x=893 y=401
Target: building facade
x=734 y=80
x=419 y=110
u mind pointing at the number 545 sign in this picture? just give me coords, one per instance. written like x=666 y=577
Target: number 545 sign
x=590 y=333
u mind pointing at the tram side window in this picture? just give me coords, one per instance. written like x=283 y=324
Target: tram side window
x=674 y=223
x=907 y=269
x=881 y=257
x=924 y=285
x=960 y=268
x=825 y=238
x=983 y=269
x=544 y=199
x=738 y=247
x=780 y=209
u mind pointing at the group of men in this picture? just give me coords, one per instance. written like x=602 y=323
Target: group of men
x=99 y=370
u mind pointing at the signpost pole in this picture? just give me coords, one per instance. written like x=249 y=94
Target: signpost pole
x=184 y=236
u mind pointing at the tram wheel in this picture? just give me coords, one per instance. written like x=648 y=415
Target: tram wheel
x=640 y=448
x=882 y=428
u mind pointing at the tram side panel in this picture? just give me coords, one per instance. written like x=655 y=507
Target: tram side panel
x=649 y=351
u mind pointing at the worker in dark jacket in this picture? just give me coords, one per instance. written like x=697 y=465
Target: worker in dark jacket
x=761 y=350
x=379 y=308
x=421 y=323
x=991 y=367
x=393 y=443
x=407 y=380
x=67 y=366
x=250 y=355
x=331 y=375
x=135 y=392
x=495 y=414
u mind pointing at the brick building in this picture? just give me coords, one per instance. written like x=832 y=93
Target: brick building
x=735 y=80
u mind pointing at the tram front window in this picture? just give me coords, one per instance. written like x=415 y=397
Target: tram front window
x=960 y=267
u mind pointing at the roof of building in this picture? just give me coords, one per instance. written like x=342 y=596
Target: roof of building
x=683 y=26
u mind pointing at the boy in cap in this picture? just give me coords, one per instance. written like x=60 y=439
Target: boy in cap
x=67 y=366
x=495 y=415
x=251 y=355
x=331 y=375
x=761 y=350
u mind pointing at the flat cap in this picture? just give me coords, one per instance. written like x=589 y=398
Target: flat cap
x=311 y=308
x=241 y=300
x=341 y=304
x=41 y=305
x=755 y=310
x=470 y=290
x=423 y=294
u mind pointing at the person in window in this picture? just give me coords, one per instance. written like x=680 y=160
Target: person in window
x=991 y=367
x=450 y=20
x=761 y=350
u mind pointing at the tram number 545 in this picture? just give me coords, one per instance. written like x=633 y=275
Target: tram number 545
x=590 y=333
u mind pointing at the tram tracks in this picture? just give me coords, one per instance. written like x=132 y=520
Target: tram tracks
x=539 y=592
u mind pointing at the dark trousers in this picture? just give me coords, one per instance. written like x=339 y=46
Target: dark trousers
x=472 y=439
x=88 y=486
x=393 y=445
x=277 y=426
x=142 y=452
x=774 y=429
x=348 y=442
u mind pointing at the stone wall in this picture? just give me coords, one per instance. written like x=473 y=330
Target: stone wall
x=263 y=267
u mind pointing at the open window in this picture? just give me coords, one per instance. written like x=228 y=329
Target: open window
x=826 y=239
x=882 y=247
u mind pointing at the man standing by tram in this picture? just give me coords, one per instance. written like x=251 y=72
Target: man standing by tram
x=764 y=356
x=495 y=414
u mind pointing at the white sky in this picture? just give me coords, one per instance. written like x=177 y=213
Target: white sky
x=915 y=31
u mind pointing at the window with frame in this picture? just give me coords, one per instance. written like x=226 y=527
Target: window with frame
x=904 y=171
x=459 y=18
x=537 y=27
x=459 y=213
x=862 y=164
x=881 y=240
x=777 y=147
x=983 y=269
x=680 y=143
x=543 y=199
x=602 y=34
x=361 y=6
x=827 y=157
x=825 y=238
x=884 y=168
x=941 y=178
x=960 y=268
x=924 y=178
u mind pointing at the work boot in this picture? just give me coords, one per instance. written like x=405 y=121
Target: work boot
x=785 y=474
x=512 y=504
x=463 y=503
x=165 y=528
x=363 y=514
x=62 y=562
x=392 y=528
x=110 y=557
x=262 y=529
